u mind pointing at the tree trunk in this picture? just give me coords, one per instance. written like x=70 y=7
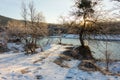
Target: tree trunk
x=82 y=32
x=81 y=38
x=84 y=50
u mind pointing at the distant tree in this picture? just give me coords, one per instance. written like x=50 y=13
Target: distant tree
x=61 y=28
x=69 y=25
x=15 y=29
x=3 y=38
x=116 y=0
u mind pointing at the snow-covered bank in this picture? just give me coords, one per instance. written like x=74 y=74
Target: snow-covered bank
x=105 y=37
x=108 y=37
x=75 y=36
x=41 y=66
x=15 y=46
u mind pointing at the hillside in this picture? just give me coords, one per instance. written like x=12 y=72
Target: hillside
x=4 y=20
x=108 y=27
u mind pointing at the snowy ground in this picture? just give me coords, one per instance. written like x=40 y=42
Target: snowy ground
x=17 y=66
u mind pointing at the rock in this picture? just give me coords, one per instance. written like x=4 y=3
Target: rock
x=116 y=77
x=87 y=65
x=4 y=78
x=60 y=62
x=39 y=76
x=23 y=71
x=69 y=77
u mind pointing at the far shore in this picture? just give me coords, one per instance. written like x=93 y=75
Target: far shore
x=108 y=37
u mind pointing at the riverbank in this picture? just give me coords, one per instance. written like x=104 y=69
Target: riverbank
x=98 y=47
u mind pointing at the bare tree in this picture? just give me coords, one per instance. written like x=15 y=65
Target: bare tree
x=41 y=29
x=27 y=30
x=24 y=13
x=41 y=26
x=32 y=10
x=34 y=28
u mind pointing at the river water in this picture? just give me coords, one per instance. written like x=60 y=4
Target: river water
x=97 y=47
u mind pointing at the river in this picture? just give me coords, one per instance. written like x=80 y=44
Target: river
x=97 y=47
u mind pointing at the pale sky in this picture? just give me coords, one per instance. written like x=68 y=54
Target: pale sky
x=51 y=9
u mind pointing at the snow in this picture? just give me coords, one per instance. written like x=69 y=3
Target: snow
x=105 y=37
x=15 y=46
x=18 y=66
x=94 y=37
x=75 y=36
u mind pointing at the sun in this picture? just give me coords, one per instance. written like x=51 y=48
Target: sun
x=86 y=23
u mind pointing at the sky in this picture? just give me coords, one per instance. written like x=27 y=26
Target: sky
x=51 y=9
